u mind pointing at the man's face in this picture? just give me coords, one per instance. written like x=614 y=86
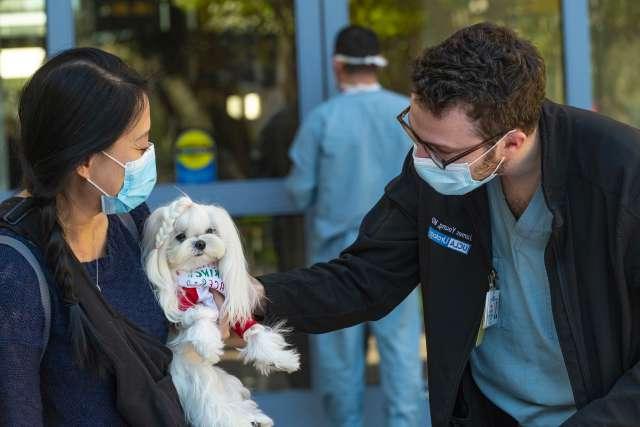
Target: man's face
x=454 y=133
x=449 y=134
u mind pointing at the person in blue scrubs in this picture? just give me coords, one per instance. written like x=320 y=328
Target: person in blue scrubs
x=343 y=155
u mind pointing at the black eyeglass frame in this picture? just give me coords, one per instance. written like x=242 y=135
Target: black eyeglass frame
x=437 y=159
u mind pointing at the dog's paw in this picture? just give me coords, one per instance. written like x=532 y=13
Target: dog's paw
x=261 y=420
x=205 y=338
x=210 y=351
x=268 y=351
x=285 y=360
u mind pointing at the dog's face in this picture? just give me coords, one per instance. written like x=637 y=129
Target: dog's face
x=184 y=236
x=195 y=239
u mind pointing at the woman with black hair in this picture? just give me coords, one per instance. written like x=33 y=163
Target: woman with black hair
x=85 y=155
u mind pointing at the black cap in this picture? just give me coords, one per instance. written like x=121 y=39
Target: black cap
x=357 y=41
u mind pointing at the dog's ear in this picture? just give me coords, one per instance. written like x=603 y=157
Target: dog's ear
x=156 y=230
x=241 y=297
x=151 y=228
x=165 y=289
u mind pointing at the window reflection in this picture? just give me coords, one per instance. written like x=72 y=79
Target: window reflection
x=406 y=28
x=22 y=32
x=221 y=67
x=614 y=36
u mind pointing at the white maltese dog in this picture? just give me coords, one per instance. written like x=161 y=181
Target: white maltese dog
x=190 y=253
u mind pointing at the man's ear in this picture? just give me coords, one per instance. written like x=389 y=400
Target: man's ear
x=337 y=66
x=514 y=140
x=338 y=71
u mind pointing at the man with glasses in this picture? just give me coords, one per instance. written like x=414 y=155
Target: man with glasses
x=343 y=155
x=531 y=281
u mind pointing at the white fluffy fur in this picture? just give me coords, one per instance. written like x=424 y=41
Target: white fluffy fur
x=268 y=350
x=241 y=298
x=209 y=395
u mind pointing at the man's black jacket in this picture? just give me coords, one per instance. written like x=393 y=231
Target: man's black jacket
x=591 y=183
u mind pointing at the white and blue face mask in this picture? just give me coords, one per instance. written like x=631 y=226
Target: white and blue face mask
x=139 y=179
x=458 y=178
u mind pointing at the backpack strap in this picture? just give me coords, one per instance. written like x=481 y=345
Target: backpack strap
x=12 y=217
x=23 y=250
x=16 y=213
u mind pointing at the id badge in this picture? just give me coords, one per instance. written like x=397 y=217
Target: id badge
x=491 y=308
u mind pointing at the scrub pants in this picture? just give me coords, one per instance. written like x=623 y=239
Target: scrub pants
x=339 y=368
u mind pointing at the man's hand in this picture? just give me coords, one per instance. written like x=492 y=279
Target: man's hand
x=223 y=323
x=231 y=339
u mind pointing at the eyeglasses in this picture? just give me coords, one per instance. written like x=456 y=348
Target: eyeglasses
x=432 y=151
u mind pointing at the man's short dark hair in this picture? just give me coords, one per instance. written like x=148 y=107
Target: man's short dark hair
x=498 y=77
x=357 y=41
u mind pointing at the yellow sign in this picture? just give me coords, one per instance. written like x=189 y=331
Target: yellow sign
x=195 y=149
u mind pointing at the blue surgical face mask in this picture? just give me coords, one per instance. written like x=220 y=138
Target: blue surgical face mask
x=456 y=179
x=139 y=180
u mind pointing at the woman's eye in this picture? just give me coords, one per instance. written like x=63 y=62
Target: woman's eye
x=181 y=237
x=142 y=149
x=210 y=230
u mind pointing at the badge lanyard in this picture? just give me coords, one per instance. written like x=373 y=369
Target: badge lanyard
x=490 y=315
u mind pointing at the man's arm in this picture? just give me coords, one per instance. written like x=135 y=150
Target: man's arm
x=621 y=405
x=366 y=282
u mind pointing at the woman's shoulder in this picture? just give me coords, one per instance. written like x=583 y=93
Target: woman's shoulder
x=20 y=297
x=18 y=257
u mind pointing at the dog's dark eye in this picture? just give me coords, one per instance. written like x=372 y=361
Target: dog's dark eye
x=210 y=230
x=181 y=237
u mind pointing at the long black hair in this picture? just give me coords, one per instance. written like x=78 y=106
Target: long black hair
x=76 y=105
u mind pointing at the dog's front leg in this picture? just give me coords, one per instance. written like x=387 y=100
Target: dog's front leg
x=268 y=350
x=200 y=329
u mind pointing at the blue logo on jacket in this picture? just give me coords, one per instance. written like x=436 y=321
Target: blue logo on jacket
x=448 y=241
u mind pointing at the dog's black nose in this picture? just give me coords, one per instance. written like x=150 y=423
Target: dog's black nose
x=200 y=245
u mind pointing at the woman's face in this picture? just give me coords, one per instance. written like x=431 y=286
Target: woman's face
x=107 y=173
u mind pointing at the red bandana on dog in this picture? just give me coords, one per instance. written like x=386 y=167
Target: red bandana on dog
x=196 y=286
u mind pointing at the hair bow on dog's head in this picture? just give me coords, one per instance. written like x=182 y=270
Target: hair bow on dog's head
x=169 y=216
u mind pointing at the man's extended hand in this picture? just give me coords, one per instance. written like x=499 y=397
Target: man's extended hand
x=228 y=335
x=223 y=323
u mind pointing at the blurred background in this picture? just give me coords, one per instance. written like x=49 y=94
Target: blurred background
x=232 y=79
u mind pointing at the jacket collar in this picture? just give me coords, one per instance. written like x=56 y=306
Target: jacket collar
x=555 y=139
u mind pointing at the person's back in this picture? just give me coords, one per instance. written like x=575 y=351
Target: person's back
x=361 y=148
x=345 y=152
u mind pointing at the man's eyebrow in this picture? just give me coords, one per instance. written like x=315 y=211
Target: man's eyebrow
x=439 y=147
